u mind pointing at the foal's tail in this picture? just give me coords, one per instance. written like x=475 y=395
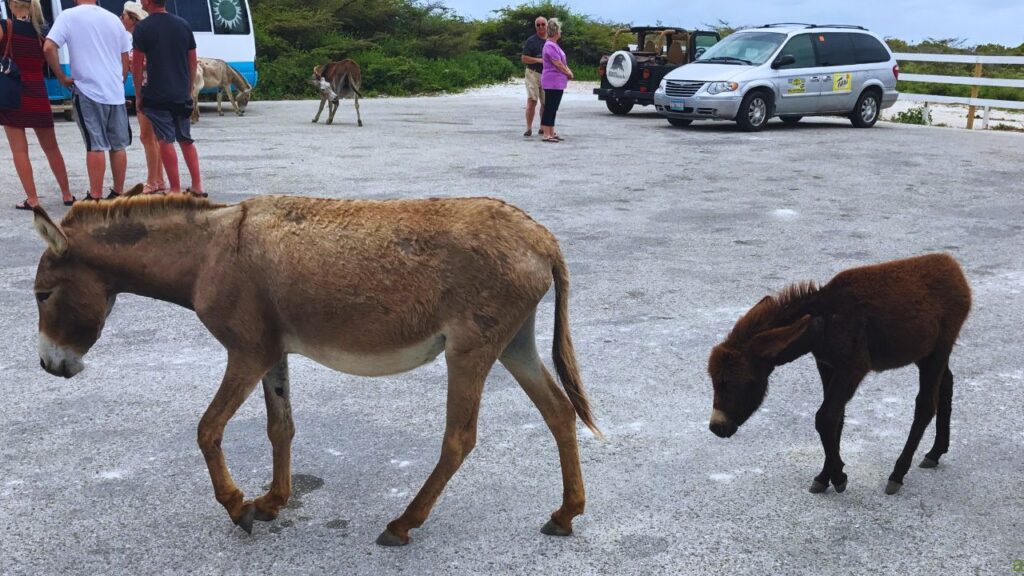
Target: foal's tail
x=562 y=352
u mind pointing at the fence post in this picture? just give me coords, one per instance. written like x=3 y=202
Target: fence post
x=926 y=114
x=974 y=94
x=984 y=122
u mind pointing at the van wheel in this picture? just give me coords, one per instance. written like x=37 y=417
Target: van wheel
x=680 y=122
x=865 y=113
x=790 y=120
x=754 y=111
x=619 y=106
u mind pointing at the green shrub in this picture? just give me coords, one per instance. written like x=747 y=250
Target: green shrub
x=910 y=116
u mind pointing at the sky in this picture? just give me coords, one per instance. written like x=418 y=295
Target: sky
x=976 y=21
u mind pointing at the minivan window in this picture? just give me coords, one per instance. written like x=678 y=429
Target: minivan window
x=195 y=12
x=802 y=48
x=867 y=49
x=835 y=49
x=744 y=48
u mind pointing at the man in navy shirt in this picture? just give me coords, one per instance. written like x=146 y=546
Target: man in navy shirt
x=531 y=56
x=165 y=56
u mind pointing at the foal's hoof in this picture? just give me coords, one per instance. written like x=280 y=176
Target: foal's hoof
x=893 y=487
x=245 y=520
x=819 y=488
x=553 y=529
x=386 y=538
x=841 y=487
x=928 y=463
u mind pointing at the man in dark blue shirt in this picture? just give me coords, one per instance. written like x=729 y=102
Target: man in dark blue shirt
x=165 y=57
x=531 y=56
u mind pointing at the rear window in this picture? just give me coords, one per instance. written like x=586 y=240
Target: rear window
x=834 y=49
x=867 y=49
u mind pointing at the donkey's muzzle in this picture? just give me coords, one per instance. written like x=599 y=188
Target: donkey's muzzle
x=62 y=369
x=723 y=429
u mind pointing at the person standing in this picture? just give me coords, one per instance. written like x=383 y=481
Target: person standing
x=553 y=80
x=131 y=14
x=165 y=51
x=532 y=57
x=98 y=48
x=22 y=38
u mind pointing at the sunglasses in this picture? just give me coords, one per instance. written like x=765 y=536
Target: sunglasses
x=540 y=25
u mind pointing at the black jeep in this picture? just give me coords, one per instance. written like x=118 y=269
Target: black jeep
x=631 y=75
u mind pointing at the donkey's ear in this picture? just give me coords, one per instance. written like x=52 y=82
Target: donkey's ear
x=781 y=345
x=51 y=232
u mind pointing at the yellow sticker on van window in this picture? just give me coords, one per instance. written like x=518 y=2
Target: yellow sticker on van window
x=842 y=82
x=796 y=86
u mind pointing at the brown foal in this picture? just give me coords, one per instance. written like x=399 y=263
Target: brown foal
x=365 y=287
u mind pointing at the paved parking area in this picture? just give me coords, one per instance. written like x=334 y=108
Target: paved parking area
x=670 y=235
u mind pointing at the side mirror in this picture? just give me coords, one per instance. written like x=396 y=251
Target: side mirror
x=783 y=60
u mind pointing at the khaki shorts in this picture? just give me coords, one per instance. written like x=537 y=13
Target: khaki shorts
x=533 y=90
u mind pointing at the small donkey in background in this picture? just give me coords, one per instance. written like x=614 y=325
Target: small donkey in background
x=335 y=81
x=870 y=318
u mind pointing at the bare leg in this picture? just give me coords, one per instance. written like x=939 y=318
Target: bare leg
x=932 y=369
x=281 y=430
x=154 y=167
x=531 y=110
x=118 y=169
x=22 y=164
x=191 y=155
x=48 y=142
x=169 y=157
x=521 y=359
x=941 y=446
x=317 y=117
x=239 y=380
x=466 y=374
x=96 y=166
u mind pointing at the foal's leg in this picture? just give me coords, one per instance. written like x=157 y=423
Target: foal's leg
x=941 y=446
x=931 y=369
x=466 y=374
x=359 y=118
x=521 y=359
x=332 y=109
x=281 y=430
x=239 y=380
x=829 y=423
x=322 y=102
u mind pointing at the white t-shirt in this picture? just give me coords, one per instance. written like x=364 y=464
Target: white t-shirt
x=95 y=39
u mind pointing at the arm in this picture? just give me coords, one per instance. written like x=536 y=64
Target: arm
x=562 y=68
x=124 y=67
x=530 y=59
x=53 y=60
x=138 y=69
x=192 y=64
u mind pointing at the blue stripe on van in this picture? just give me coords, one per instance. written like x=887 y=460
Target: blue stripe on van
x=57 y=92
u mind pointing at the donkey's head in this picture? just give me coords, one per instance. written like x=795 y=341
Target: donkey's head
x=73 y=300
x=242 y=99
x=740 y=369
x=322 y=85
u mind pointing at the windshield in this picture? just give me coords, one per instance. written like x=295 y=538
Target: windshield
x=751 y=48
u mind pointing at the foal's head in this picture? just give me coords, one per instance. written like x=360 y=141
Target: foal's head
x=74 y=301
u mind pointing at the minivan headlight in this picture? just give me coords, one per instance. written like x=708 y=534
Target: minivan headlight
x=720 y=87
x=661 y=86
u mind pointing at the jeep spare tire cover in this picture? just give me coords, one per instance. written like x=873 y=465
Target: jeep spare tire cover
x=619 y=69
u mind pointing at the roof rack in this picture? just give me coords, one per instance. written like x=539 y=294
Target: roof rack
x=841 y=26
x=804 y=24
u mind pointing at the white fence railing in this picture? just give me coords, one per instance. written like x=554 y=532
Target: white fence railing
x=975 y=81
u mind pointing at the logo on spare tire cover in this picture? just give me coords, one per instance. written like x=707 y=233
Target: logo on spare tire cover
x=619 y=69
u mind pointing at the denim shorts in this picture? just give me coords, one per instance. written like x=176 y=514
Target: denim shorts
x=104 y=126
x=169 y=126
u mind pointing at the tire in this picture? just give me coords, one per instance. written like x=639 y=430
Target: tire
x=69 y=114
x=754 y=112
x=620 y=69
x=790 y=120
x=619 y=106
x=680 y=122
x=865 y=113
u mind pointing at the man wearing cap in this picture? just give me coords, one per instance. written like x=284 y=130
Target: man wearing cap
x=533 y=51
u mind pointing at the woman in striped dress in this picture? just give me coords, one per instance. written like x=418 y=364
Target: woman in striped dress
x=24 y=32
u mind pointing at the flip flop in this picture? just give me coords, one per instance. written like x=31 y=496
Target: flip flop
x=24 y=205
x=90 y=198
x=113 y=195
x=551 y=140
x=195 y=194
x=70 y=202
x=528 y=133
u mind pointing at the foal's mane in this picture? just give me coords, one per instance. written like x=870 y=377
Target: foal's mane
x=134 y=208
x=772 y=311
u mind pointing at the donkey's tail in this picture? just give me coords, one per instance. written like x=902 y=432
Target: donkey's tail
x=562 y=352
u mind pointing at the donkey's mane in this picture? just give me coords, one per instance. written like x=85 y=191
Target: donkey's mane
x=772 y=311
x=134 y=208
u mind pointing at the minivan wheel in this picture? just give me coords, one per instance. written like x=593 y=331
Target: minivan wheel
x=619 y=106
x=680 y=122
x=790 y=120
x=754 y=112
x=865 y=113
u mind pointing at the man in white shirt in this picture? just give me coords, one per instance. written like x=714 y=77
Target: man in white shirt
x=98 y=48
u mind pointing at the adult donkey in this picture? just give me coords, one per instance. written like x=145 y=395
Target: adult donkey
x=214 y=73
x=335 y=81
x=365 y=287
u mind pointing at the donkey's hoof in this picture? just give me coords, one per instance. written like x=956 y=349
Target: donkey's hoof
x=245 y=520
x=893 y=487
x=386 y=538
x=841 y=487
x=553 y=529
x=818 y=487
x=928 y=463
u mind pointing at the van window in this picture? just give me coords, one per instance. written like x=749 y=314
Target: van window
x=802 y=48
x=867 y=49
x=114 y=6
x=195 y=12
x=834 y=49
x=229 y=17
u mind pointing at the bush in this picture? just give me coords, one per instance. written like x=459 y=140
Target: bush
x=910 y=116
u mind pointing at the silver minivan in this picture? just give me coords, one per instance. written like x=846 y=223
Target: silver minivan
x=784 y=70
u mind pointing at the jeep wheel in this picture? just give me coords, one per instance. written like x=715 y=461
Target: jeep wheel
x=865 y=113
x=754 y=111
x=680 y=122
x=790 y=120
x=619 y=106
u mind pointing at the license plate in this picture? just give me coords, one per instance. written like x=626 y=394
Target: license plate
x=676 y=104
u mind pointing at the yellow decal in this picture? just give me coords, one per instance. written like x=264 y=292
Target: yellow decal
x=796 y=86
x=842 y=82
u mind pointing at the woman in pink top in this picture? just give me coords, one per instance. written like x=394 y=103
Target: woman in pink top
x=553 y=80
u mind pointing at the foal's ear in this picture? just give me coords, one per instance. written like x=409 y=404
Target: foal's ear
x=51 y=232
x=779 y=344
